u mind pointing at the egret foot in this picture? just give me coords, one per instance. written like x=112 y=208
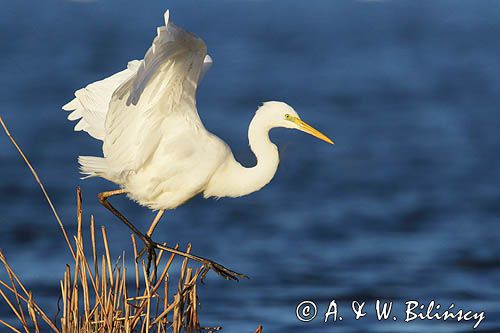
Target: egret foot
x=221 y=270
x=149 y=247
x=207 y=264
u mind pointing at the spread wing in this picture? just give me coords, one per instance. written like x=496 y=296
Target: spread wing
x=90 y=104
x=153 y=102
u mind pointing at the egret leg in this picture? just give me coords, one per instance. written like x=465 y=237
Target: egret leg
x=103 y=199
x=207 y=264
x=149 y=249
x=157 y=219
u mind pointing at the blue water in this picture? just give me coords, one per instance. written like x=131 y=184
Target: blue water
x=405 y=206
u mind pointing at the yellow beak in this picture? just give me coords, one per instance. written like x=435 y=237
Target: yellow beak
x=304 y=127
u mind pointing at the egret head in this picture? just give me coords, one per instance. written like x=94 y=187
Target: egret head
x=280 y=114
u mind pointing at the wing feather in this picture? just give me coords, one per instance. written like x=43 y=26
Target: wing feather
x=149 y=103
x=90 y=104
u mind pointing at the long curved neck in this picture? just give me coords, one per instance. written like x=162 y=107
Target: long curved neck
x=235 y=180
x=266 y=154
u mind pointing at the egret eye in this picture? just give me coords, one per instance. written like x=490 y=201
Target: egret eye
x=287 y=116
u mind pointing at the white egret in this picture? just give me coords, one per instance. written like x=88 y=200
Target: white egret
x=155 y=146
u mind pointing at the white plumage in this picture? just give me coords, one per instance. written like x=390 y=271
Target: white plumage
x=155 y=146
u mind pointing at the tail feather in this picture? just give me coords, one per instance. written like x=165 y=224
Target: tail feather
x=92 y=166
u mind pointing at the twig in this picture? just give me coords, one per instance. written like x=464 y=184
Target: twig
x=9 y=326
x=33 y=172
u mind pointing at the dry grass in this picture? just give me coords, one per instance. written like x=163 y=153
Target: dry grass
x=95 y=295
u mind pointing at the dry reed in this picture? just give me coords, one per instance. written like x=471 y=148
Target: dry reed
x=95 y=295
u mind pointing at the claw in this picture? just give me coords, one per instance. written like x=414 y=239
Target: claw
x=221 y=271
x=149 y=247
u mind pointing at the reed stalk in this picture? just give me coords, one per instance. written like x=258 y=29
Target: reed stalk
x=97 y=294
